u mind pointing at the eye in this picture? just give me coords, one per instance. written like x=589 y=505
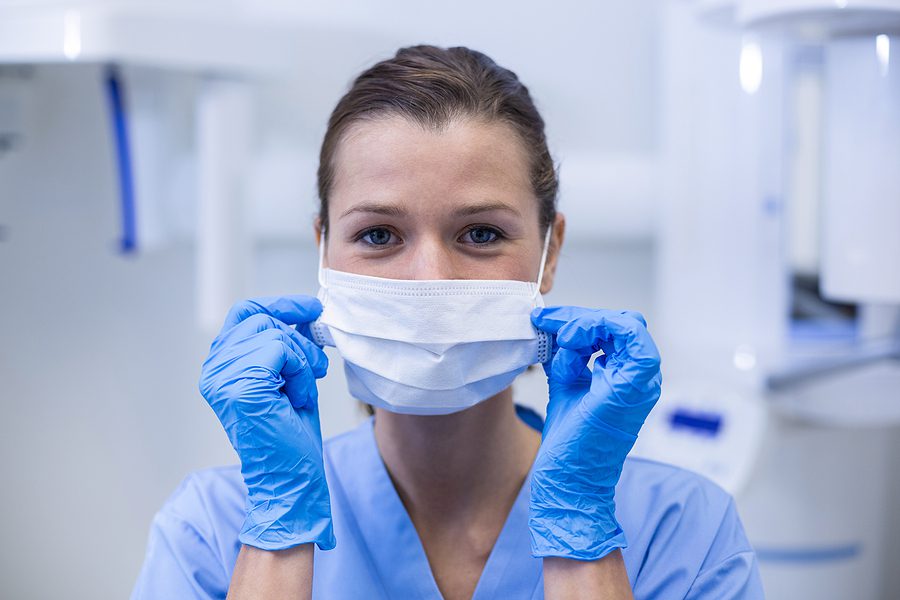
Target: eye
x=481 y=235
x=377 y=236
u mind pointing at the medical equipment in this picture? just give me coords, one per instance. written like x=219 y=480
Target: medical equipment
x=777 y=276
x=180 y=88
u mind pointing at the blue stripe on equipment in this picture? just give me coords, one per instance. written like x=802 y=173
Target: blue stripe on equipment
x=809 y=555
x=119 y=118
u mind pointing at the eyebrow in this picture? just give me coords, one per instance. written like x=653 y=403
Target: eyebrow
x=376 y=208
x=474 y=209
x=397 y=211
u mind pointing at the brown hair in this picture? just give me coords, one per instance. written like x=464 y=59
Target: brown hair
x=432 y=86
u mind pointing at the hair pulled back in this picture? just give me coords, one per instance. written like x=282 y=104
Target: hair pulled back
x=433 y=87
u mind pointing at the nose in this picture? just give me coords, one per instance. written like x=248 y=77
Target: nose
x=431 y=258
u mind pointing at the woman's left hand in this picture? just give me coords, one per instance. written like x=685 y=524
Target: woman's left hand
x=593 y=419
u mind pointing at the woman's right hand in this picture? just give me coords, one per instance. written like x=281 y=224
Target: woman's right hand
x=260 y=379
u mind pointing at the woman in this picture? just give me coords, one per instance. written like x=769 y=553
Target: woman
x=437 y=230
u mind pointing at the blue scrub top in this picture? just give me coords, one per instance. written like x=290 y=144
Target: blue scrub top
x=685 y=539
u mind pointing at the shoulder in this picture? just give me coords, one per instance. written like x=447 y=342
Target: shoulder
x=193 y=542
x=669 y=498
x=213 y=500
x=225 y=480
x=205 y=512
x=205 y=495
x=683 y=532
x=654 y=484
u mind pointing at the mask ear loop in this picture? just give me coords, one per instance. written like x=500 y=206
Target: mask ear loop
x=545 y=343
x=540 y=278
x=321 y=255
x=316 y=329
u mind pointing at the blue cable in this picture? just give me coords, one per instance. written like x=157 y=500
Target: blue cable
x=128 y=243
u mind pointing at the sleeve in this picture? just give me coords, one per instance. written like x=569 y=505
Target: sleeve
x=181 y=561
x=730 y=570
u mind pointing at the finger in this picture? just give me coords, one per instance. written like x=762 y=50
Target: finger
x=277 y=335
x=620 y=403
x=251 y=373
x=259 y=322
x=300 y=388
x=318 y=360
x=558 y=406
x=596 y=329
x=630 y=349
x=296 y=376
x=570 y=365
x=552 y=318
x=255 y=350
x=635 y=315
x=601 y=360
x=292 y=310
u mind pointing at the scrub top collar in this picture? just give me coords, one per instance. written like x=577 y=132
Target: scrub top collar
x=394 y=545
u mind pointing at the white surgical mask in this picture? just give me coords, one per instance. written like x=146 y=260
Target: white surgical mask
x=430 y=347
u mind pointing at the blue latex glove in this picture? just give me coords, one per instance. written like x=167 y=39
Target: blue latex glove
x=259 y=379
x=593 y=419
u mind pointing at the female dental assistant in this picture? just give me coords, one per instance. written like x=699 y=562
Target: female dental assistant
x=439 y=234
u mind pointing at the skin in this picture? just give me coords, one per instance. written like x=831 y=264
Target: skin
x=413 y=203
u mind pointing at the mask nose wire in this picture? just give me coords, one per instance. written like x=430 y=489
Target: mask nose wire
x=540 y=278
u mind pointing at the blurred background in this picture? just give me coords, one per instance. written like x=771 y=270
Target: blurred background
x=731 y=168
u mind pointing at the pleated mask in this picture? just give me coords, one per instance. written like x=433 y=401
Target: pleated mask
x=430 y=347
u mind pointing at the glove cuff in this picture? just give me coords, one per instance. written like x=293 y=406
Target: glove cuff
x=545 y=544
x=275 y=536
x=290 y=520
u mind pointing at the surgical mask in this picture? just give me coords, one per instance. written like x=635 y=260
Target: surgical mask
x=430 y=347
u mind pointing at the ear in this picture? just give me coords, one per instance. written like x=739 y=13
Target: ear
x=556 y=242
x=317 y=229
x=318 y=232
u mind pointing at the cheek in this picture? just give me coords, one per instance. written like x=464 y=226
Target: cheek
x=341 y=256
x=519 y=267
x=519 y=264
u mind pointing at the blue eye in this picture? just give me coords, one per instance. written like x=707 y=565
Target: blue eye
x=378 y=236
x=482 y=235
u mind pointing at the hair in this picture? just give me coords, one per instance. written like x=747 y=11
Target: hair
x=433 y=87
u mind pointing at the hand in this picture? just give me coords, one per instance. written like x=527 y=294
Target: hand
x=593 y=419
x=259 y=379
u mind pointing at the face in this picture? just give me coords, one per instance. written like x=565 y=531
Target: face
x=409 y=203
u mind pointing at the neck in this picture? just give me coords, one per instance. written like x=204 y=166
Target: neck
x=457 y=464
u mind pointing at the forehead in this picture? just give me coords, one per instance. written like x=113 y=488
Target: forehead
x=394 y=159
